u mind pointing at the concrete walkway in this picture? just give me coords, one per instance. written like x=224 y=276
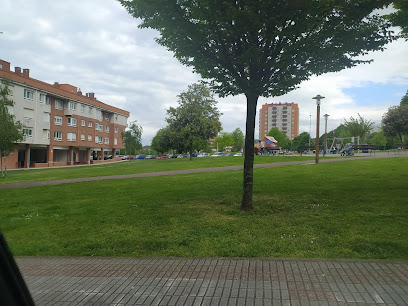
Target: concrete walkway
x=214 y=281
x=176 y=172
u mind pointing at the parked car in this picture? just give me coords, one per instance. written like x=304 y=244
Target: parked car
x=230 y=154
x=105 y=157
x=203 y=155
x=125 y=157
x=216 y=154
x=172 y=156
x=150 y=157
x=182 y=156
x=238 y=154
x=140 y=156
x=164 y=156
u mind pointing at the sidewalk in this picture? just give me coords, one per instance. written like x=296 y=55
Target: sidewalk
x=214 y=281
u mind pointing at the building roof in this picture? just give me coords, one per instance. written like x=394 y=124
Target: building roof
x=65 y=90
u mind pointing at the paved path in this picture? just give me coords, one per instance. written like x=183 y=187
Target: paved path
x=214 y=281
x=176 y=172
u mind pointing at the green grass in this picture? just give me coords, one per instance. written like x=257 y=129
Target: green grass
x=135 y=166
x=352 y=209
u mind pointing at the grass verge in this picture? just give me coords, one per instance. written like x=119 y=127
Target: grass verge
x=352 y=209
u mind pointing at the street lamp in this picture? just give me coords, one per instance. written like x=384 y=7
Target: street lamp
x=325 y=134
x=317 y=98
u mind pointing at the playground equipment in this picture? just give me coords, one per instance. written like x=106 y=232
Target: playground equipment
x=347 y=150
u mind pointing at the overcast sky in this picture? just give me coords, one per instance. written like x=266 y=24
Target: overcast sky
x=96 y=46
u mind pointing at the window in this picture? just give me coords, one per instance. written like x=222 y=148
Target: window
x=82 y=136
x=82 y=122
x=71 y=136
x=107 y=129
x=57 y=120
x=28 y=113
x=99 y=127
x=107 y=116
x=28 y=94
x=46 y=117
x=101 y=115
x=116 y=141
x=106 y=140
x=116 y=118
x=58 y=136
x=98 y=139
x=116 y=129
x=27 y=132
x=89 y=123
x=82 y=108
x=42 y=98
x=72 y=106
x=72 y=121
x=46 y=134
x=47 y=101
x=89 y=137
x=90 y=111
x=58 y=104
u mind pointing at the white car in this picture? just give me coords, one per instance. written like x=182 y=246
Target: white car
x=238 y=154
x=216 y=154
x=203 y=155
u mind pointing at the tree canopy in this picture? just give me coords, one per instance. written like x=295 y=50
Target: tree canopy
x=400 y=17
x=395 y=121
x=195 y=119
x=224 y=140
x=161 y=142
x=238 y=137
x=302 y=140
x=132 y=138
x=359 y=127
x=404 y=100
x=263 y=48
x=11 y=131
x=281 y=138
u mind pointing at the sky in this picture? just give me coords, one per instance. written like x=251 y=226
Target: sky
x=97 y=46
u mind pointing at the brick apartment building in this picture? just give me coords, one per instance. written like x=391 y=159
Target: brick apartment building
x=61 y=125
x=284 y=116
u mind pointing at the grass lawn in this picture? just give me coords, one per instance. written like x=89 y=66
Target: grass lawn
x=136 y=166
x=351 y=209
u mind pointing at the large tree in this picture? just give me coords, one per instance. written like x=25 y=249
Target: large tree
x=132 y=138
x=238 y=137
x=404 y=99
x=196 y=118
x=263 y=47
x=224 y=140
x=395 y=121
x=162 y=141
x=300 y=141
x=11 y=131
x=359 y=127
x=400 y=17
x=281 y=137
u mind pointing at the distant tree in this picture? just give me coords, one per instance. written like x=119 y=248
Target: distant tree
x=302 y=140
x=359 y=127
x=11 y=131
x=238 y=137
x=281 y=138
x=395 y=122
x=132 y=138
x=263 y=48
x=404 y=100
x=224 y=140
x=196 y=118
x=161 y=142
x=378 y=139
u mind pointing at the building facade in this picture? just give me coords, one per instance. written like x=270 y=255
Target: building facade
x=284 y=116
x=62 y=126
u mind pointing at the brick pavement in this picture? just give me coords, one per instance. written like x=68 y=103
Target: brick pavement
x=214 y=281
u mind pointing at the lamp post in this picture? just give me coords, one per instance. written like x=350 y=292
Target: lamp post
x=317 y=98
x=325 y=134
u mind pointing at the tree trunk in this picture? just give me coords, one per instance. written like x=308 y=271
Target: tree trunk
x=252 y=100
x=191 y=150
x=1 y=163
x=5 y=167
